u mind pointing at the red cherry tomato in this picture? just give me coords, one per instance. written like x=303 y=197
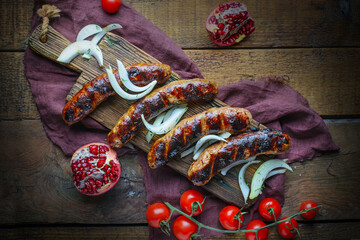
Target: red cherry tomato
x=265 y=209
x=156 y=213
x=183 y=228
x=189 y=197
x=287 y=230
x=111 y=6
x=227 y=218
x=261 y=234
x=307 y=205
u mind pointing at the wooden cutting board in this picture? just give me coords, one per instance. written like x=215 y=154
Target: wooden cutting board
x=115 y=47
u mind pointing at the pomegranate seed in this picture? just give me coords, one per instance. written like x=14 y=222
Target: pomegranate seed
x=221 y=32
x=221 y=26
x=106 y=167
x=108 y=171
x=100 y=163
x=247 y=27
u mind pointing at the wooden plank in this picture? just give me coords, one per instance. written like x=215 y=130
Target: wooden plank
x=327 y=78
x=115 y=47
x=16 y=98
x=15 y=19
x=278 y=23
x=342 y=230
x=37 y=183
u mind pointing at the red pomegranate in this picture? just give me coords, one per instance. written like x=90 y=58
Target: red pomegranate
x=229 y=23
x=95 y=169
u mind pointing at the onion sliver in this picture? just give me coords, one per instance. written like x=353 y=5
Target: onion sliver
x=157 y=122
x=167 y=125
x=262 y=172
x=124 y=77
x=241 y=161
x=207 y=138
x=76 y=48
x=187 y=151
x=208 y=143
x=105 y=30
x=275 y=172
x=88 y=31
x=115 y=85
x=242 y=183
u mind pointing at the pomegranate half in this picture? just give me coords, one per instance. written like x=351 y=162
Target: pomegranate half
x=229 y=24
x=95 y=168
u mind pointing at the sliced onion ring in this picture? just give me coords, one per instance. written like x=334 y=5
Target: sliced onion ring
x=158 y=120
x=88 y=31
x=167 y=125
x=241 y=161
x=105 y=30
x=115 y=85
x=275 y=172
x=245 y=190
x=187 y=151
x=207 y=138
x=76 y=48
x=262 y=172
x=208 y=143
x=124 y=77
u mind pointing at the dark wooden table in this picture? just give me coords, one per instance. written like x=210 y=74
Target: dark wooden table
x=315 y=43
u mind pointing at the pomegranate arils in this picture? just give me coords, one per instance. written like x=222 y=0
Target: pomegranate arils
x=229 y=23
x=95 y=169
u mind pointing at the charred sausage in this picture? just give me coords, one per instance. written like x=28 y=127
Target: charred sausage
x=214 y=120
x=158 y=101
x=243 y=146
x=99 y=89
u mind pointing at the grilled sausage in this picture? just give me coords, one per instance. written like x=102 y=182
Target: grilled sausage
x=243 y=146
x=99 y=89
x=158 y=101
x=214 y=120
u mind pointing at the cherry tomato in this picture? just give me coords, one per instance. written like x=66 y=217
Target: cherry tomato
x=227 y=218
x=287 y=230
x=183 y=228
x=261 y=234
x=307 y=205
x=265 y=209
x=188 y=198
x=156 y=213
x=111 y=6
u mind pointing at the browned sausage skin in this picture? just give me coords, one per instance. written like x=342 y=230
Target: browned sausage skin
x=243 y=146
x=214 y=120
x=158 y=101
x=99 y=89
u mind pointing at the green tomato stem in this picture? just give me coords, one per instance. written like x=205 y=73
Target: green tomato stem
x=200 y=225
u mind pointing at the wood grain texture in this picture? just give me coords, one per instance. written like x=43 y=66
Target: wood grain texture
x=327 y=78
x=320 y=231
x=15 y=94
x=278 y=23
x=37 y=184
x=15 y=19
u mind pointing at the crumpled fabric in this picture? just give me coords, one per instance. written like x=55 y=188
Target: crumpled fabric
x=273 y=104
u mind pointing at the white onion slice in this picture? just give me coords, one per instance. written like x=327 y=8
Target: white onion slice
x=187 y=151
x=88 y=31
x=207 y=138
x=262 y=172
x=241 y=161
x=105 y=30
x=275 y=172
x=157 y=122
x=115 y=85
x=209 y=143
x=245 y=190
x=124 y=77
x=96 y=39
x=167 y=125
x=76 y=48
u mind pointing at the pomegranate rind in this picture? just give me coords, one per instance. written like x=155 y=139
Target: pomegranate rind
x=111 y=155
x=213 y=28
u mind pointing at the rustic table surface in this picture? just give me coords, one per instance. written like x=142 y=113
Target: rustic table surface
x=315 y=43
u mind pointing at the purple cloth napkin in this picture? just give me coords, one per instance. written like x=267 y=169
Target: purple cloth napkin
x=275 y=105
